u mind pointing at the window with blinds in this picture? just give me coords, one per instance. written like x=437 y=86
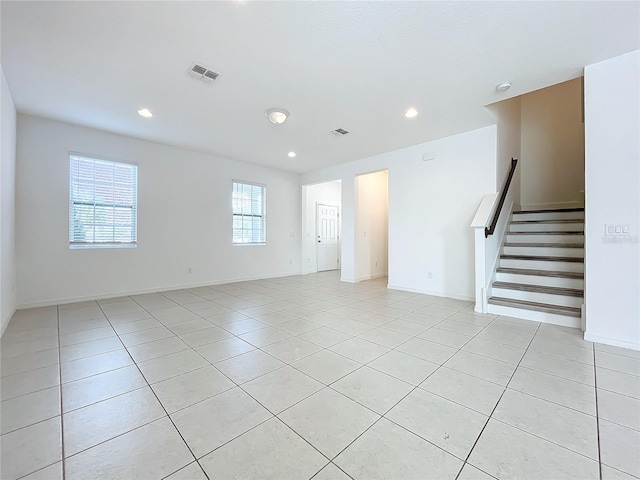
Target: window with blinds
x=103 y=199
x=249 y=214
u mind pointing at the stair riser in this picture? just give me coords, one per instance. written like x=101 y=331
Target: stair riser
x=553 y=251
x=546 y=227
x=543 y=265
x=545 y=238
x=549 y=216
x=538 y=297
x=564 y=320
x=540 y=280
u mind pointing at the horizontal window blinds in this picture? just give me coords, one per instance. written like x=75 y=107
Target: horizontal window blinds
x=102 y=202
x=249 y=212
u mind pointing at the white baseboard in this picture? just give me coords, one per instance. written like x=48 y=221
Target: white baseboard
x=64 y=301
x=614 y=342
x=370 y=277
x=552 y=205
x=428 y=292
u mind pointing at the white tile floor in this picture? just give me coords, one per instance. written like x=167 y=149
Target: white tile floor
x=307 y=377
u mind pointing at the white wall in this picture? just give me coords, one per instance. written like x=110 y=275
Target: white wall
x=372 y=225
x=509 y=138
x=509 y=134
x=327 y=193
x=431 y=205
x=553 y=146
x=612 y=123
x=7 y=206
x=184 y=218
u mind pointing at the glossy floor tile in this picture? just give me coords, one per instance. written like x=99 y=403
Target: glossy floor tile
x=307 y=377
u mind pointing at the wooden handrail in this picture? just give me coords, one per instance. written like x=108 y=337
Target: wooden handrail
x=489 y=230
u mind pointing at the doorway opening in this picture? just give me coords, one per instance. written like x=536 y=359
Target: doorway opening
x=321 y=224
x=371 y=225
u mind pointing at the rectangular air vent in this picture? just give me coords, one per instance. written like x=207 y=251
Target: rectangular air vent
x=338 y=132
x=210 y=75
x=202 y=73
x=198 y=70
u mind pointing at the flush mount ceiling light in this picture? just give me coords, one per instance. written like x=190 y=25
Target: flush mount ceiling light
x=411 y=113
x=276 y=115
x=145 y=112
x=291 y=154
x=503 y=87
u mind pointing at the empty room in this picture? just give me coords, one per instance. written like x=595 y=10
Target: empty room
x=320 y=240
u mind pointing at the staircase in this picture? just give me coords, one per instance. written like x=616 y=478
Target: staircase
x=540 y=275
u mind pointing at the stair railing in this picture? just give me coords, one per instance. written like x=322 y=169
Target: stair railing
x=488 y=245
x=489 y=230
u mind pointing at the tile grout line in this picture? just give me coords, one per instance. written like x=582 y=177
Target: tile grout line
x=324 y=348
x=64 y=469
x=276 y=415
x=273 y=415
x=415 y=388
x=247 y=393
x=152 y=391
x=156 y=396
x=497 y=403
x=335 y=465
x=327 y=386
x=60 y=402
x=595 y=377
x=393 y=406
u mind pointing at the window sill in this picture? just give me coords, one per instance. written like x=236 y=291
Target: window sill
x=86 y=246
x=249 y=244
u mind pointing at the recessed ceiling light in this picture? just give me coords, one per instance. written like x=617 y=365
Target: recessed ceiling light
x=291 y=154
x=145 y=112
x=412 y=112
x=277 y=115
x=503 y=87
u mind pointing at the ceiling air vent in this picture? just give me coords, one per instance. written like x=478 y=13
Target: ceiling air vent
x=210 y=75
x=339 y=132
x=202 y=73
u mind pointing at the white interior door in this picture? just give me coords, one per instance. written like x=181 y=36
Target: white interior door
x=327 y=233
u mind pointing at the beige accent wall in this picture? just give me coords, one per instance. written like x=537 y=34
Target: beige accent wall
x=552 y=146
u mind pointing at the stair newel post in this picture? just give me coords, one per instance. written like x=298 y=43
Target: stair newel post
x=478 y=224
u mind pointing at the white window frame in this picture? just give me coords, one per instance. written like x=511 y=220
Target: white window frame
x=252 y=215
x=75 y=201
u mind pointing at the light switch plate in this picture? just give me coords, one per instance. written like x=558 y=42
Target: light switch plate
x=616 y=229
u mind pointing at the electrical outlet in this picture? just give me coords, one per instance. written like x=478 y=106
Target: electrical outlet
x=430 y=275
x=189 y=270
x=290 y=262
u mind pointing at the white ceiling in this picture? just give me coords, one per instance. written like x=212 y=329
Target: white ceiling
x=355 y=65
